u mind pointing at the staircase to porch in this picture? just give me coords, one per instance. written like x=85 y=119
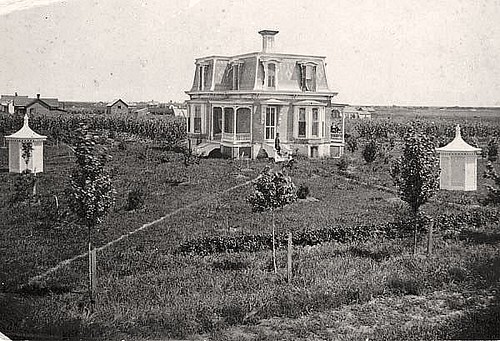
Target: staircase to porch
x=204 y=148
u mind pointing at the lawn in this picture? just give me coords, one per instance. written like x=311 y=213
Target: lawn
x=146 y=290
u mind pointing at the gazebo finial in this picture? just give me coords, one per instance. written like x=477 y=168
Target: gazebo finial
x=457 y=131
x=26 y=119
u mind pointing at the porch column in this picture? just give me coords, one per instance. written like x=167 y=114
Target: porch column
x=235 y=111
x=223 y=115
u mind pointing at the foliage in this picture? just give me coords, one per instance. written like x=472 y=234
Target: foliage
x=416 y=172
x=135 y=198
x=272 y=191
x=492 y=149
x=370 y=151
x=344 y=162
x=27 y=149
x=303 y=191
x=493 y=196
x=351 y=143
x=91 y=191
x=22 y=187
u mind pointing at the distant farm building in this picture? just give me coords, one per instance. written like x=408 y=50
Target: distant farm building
x=358 y=112
x=15 y=104
x=239 y=105
x=458 y=162
x=117 y=107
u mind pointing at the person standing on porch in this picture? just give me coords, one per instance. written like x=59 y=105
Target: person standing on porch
x=277 y=144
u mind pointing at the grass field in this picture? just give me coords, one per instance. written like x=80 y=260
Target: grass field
x=375 y=289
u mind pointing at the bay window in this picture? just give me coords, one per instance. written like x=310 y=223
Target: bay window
x=302 y=122
x=197 y=119
x=315 y=123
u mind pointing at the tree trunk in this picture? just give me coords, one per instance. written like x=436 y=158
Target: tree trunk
x=429 y=240
x=91 y=274
x=415 y=226
x=274 y=246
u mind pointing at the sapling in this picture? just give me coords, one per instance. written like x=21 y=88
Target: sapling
x=416 y=174
x=272 y=191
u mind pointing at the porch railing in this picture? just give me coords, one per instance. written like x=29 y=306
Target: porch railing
x=236 y=136
x=336 y=136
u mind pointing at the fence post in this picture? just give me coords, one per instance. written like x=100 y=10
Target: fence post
x=92 y=274
x=289 y=253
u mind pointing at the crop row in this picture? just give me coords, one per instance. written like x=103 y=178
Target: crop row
x=385 y=128
x=167 y=129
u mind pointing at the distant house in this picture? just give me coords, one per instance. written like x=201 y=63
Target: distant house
x=117 y=107
x=25 y=105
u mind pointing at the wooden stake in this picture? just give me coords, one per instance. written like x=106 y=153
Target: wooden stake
x=289 y=263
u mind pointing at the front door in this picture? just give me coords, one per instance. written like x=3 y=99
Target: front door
x=270 y=124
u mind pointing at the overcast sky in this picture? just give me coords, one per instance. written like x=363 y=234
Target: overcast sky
x=384 y=52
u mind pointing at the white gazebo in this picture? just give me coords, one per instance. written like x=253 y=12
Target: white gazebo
x=458 y=161
x=27 y=137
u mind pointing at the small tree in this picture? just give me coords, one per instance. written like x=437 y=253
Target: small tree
x=370 y=151
x=273 y=190
x=493 y=196
x=416 y=174
x=90 y=192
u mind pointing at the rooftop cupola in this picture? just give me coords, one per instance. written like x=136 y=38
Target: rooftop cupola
x=268 y=40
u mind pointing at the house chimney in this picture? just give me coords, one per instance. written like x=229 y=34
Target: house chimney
x=38 y=96
x=268 y=40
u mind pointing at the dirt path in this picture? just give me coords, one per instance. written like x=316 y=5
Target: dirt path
x=141 y=228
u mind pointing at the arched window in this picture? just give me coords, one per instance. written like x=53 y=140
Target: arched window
x=243 y=120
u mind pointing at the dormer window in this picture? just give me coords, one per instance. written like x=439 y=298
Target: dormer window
x=236 y=68
x=271 y=75
x=202 y=76
x=308 y=76
x=271 y=68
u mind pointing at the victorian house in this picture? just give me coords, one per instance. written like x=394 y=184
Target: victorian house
x=239 y=105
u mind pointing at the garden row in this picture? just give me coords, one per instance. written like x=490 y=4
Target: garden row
x=451 y=226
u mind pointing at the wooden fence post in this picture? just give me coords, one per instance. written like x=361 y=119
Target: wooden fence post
x=289 y=263
x=92 y=273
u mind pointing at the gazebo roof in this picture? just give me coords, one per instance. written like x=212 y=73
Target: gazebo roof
x=458 y=144
x=25 y=133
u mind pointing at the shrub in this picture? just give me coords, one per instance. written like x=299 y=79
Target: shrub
x=343 y=164
x=351 y=143
x=303 y=191
x=22 y=187
x=135 y=199
x=370 y=151
x=492 y=150
x=493 y=196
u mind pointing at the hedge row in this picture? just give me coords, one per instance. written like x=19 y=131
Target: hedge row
x=259 y=242
x=449 y=224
